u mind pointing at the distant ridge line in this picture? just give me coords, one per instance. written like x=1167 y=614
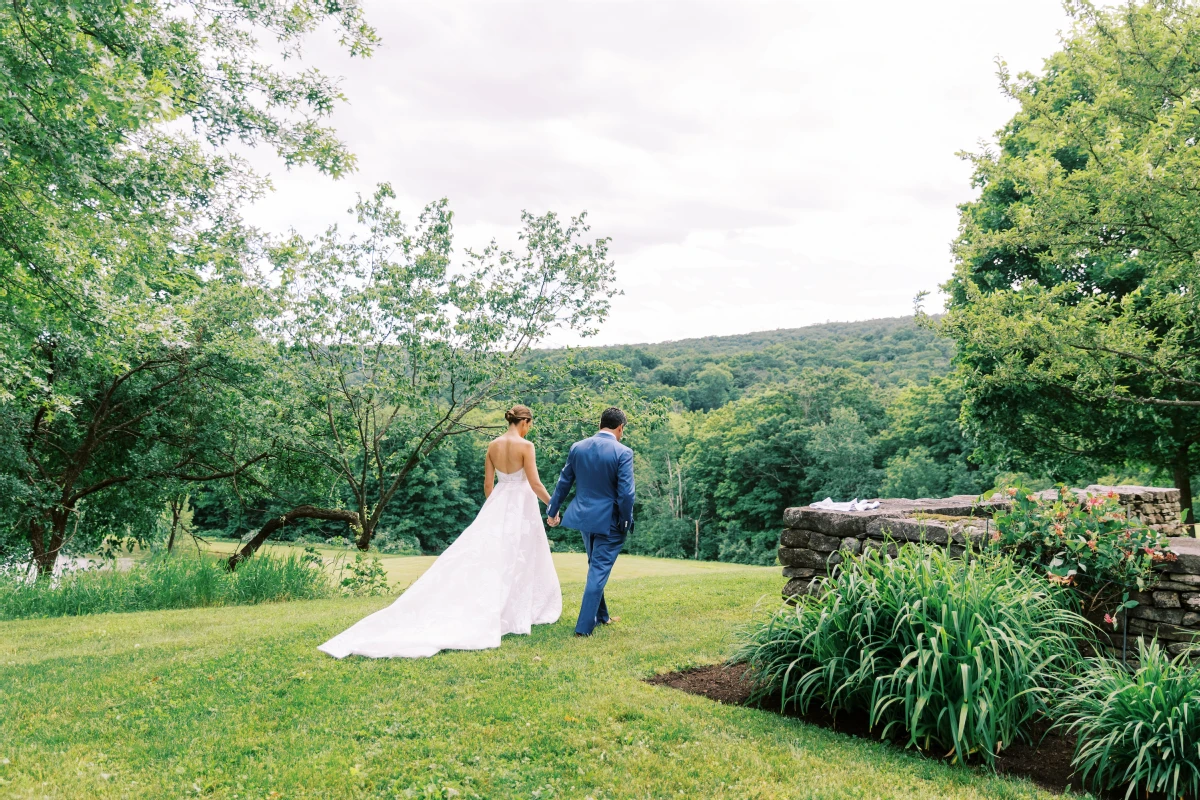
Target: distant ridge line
x=780 y=334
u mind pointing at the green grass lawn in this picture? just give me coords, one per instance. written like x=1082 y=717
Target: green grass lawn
x=237 y=702
x=403 y=570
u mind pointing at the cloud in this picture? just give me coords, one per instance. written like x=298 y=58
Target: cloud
x=758 y=164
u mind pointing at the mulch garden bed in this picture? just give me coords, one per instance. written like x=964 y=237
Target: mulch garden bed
x=1048 y=764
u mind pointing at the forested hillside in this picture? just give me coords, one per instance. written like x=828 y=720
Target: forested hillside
x=752 y=424
x=708 y=372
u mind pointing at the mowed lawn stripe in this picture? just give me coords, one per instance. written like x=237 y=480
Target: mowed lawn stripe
x=237 y=702
x=403 y=570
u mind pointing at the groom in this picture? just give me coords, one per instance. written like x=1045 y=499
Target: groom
x=602 y=470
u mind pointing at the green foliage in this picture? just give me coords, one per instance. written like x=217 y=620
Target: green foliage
x=832 y=433
x=131 y=315
x=1090 y=544
x=951 y=655
x=913 y=474
x=923 y=447
x=390 y=543
x=387 y=347
x=1141 y=730
x=437 y=502
x=1075 y=305
x=713 y=388
x=165 y=581
x=844 y=455
x=106 y=111
x=121 y=422
x=747 y=461
x=364 y=576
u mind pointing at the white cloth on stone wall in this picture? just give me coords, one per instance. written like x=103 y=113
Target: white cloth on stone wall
x=854 y=505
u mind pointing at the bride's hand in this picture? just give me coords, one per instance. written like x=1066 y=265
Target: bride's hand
x=553 y=521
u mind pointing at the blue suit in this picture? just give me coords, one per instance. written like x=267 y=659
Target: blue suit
x=601 y=469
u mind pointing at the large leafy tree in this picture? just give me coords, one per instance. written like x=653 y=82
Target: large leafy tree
x=169 y=399
x=390 y=347
x=923 y=448
x=110 y=113
x=754 y=457
x=130 y=332
x=1075 y=300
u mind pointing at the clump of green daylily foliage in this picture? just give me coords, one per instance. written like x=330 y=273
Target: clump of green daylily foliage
x=942 y=653
x=1088 y=543
x=1138 y=730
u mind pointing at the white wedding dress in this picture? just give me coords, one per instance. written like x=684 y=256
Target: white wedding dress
x=496 y=578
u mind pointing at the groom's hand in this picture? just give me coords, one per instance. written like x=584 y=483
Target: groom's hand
x=553 y=521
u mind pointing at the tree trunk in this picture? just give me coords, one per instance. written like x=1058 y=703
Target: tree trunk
x=43 y=556
x=365 y=534
x=1182 y=470
x=45 y=553
x=351 y=518
x=174 y=523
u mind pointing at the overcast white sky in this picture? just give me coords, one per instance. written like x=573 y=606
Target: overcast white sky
x=758 y=165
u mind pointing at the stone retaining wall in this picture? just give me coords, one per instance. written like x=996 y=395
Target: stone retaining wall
x=815 y=540
x=1170 y=609
x=1158 y=508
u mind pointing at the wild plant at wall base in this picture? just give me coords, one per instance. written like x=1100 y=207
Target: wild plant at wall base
x=955 y=656
x=1138 y=731
x=1088 y=544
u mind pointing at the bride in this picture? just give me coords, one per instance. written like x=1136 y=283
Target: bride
x=496 y=578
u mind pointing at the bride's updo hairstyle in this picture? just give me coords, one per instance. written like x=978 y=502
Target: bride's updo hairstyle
x=517 y=414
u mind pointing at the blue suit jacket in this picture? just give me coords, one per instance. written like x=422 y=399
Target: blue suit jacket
x=601 y=468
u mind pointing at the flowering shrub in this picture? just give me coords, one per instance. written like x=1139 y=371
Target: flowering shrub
x=1088 y=544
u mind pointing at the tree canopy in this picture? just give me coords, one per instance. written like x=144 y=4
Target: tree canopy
x=1074 y=300
x=388 y=347
x=126 y=276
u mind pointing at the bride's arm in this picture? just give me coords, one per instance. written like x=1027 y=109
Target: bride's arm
x=531 y=473
x=489 y=475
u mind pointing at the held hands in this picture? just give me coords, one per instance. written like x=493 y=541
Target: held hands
x=553 y=521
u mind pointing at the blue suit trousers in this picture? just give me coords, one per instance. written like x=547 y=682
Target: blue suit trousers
x=602 y=551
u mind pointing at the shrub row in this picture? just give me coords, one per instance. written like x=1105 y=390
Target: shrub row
x=167 y=581
x=964 y=657
x=944 y=653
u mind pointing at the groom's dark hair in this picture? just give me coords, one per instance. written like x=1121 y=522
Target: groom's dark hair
x=612 y=418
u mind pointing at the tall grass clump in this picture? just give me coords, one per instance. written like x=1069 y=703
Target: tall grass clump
x=943 y=653
x=167 y=581
x=1139 y=730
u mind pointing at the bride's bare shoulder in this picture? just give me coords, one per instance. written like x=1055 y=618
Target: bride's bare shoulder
x=508 y=444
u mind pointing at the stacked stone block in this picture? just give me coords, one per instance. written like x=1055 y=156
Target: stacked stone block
x=816 y=540
x=1170 y=609
x=1157 y=507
